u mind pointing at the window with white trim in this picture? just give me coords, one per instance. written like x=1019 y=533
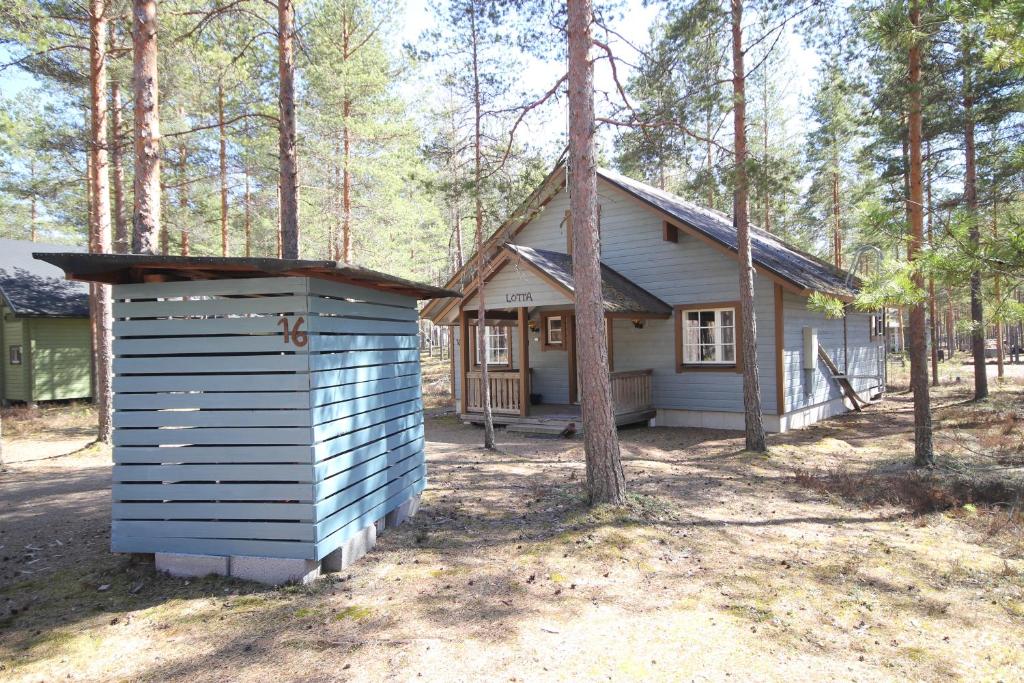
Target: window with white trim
x=709 y=336
x=14 y=354
x=554 y=330
x=498 y=347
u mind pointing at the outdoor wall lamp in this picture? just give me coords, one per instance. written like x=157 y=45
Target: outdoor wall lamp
x=638 y=324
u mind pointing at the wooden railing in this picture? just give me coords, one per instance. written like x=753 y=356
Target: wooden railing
x=505 y=394
x=631 y=391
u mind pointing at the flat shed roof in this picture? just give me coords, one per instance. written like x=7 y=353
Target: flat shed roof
x=116 y=269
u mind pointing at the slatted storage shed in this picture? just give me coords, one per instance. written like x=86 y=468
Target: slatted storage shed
x=267 y=411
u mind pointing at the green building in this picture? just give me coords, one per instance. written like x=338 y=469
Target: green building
x=45 y=336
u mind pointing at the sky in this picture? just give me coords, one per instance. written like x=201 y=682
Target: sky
x=546 y=128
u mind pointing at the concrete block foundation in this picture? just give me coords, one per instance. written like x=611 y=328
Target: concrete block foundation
x=183 y=565
x=401 y=514
x=274 y=570
x=353 y=549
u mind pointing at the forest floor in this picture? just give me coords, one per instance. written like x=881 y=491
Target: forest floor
x=724 y=566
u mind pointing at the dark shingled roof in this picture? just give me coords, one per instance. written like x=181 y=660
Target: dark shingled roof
x=767 y=251
x=620 y=295
x=129 y=268
x=34 y=288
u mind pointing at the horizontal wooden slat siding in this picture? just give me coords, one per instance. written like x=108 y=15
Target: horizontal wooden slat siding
x=225 y=400
x=342 y=392
x=338 y=290
x=334 y=541
x=213 y=454
x=205 y=436
x=301 y=550
x=231 y=441
x=212 y=473
x=300 y=493
x=199 y=383
x=352 y=423
x=212 y=346
x=215 y=364
x=346 y=442
x=363 y=404
x=341 y=361
x=265 y=305
x=211 y=418
x=237 y=287
x=327 y=308
x=296 y=512
x=249 y=530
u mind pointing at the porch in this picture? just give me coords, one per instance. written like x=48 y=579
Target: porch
x=631 y=400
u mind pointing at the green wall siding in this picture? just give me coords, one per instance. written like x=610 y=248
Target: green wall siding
x=61 y=358
x=14 y=375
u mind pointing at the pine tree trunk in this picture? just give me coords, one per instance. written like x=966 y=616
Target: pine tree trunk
x=998 y=295
x=606 y=482
x=100 y=225
x=146 y=221
x=117 y=165
x=950 y=325
x=183 y=200
x=346 y=184
x=457 y=237
x=289 y=184
x=974 y=234
x=837 y=222
x=923 y=450
x=248 y=214
x=33 y=209
x=755 y=439
x=223 y=153
x=478 y=176
x=933 y=326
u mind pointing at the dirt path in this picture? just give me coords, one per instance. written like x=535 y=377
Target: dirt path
x=722 y=568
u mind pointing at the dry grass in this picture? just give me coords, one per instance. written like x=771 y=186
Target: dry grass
x=437 y=385
x=723 y=566
x=61 y=419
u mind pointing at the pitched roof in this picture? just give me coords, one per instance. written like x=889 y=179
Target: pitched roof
x=620 y=294
x=767 y=251
x=128 y=268
x=33 y=288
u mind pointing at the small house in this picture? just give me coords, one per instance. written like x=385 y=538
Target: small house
x=46 y=339
x=267 y=412
x=670 y=279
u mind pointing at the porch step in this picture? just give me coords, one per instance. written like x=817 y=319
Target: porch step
x=551 y=428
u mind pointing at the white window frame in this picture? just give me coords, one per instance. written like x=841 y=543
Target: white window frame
x=14 y=354
x=549 y=330
x=496 y=332
x=691 y=356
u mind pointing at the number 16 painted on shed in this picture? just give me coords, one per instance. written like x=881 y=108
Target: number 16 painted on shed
x=294 y=334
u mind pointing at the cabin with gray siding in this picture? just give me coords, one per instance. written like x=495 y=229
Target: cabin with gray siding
x=670 y=277
x=261 y=410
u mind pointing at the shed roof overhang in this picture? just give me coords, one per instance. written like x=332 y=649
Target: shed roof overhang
x=134 y=268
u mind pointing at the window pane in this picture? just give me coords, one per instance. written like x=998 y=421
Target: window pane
x=707 y=353
x=729 y=353
x=727 y=335
x=727 y=317
x=707 y=317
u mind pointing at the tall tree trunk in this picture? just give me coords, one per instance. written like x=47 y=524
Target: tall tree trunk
x=950 y=325
x=478 y=177
x=837 y=222
x=146 y=222
x=346 y=182
x=289 y=183
x=248 y=214
x=923 y=451
x=183 y=198
x=974 y=235
x=998 y=295
x=933 y=321
x=606 y=482
x=33 y=209
x=117 y=164
x=457 y=237
x=100 y=225
x=755 y=439
x=223 y=154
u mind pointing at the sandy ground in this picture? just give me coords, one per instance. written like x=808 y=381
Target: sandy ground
x=721 y=568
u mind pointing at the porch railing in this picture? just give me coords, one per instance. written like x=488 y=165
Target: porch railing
x=505 y=394
x=631 y=391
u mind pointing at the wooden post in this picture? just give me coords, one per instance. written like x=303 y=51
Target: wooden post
x=524 y=362
x=464 y=355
